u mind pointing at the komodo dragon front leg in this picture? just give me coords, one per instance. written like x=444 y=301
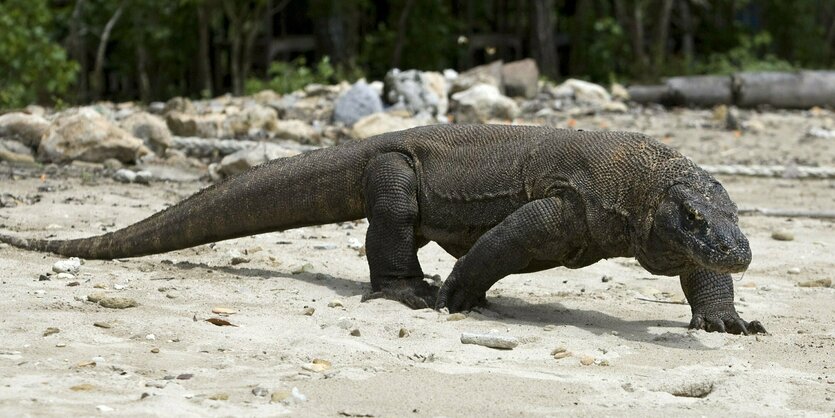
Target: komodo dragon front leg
x=541 y=230
x=711 y=299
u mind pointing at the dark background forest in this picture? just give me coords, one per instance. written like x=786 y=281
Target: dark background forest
x=75 y=51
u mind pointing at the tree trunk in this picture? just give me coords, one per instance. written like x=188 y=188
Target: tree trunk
x=142 y=70
x=661 y=30
x=77 y=48
x=204 y=64
x=544 y=48
x=402 y=24
x=98 y=72
x=687 y=42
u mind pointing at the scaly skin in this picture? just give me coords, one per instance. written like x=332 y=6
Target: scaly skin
x=501 y=199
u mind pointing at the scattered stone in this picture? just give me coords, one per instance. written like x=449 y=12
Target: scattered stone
x=155 y=350
x=143 y=177
x=51 y=330
x=458 y=316
x=70 y=265
x=124 y=175
x=482 y=103
x=260 y=391
x=64 y=276
x=86 y=135
x=172 y=294
x=488 y=74
x=24 y=128
x=309 y=311
x=606 y=279
x=619 y=92
x=116 y=302
x=151 y=337
x=236 y=257
x=219 y=397
x=15 y=152
x=149 y=128
x=359 y=101
x=203 y=126
x=417 y=91
x=61 y=345
x=816 y=283
x=559 y=349
x=380 y=123
x=587 y=360
x=304 y=268
x=223 y=311
x=251 y=120
x=104 y=408
x=102 y=325
x=185 y=376
x=297 y=395
x=521 y=78
x=698 y=389
x=245 y=159
x=403 y=333
x=492 y=340
x=280 y=395
x=336 y=303
x=549 y=327
x=84 y=387
x=793 y=270
x=582 y=91
x=318 y=366
x=326 y=246
x=95 y=297
x=782 y=235
x=296 y=130
x=562 y=355
x=355 y=332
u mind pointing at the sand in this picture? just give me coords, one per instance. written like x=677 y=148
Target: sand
x=630 y=328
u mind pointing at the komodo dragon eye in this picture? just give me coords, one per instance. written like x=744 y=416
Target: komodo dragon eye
x=694 y=217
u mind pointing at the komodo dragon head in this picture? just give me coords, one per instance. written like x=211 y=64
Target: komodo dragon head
x=695 y=226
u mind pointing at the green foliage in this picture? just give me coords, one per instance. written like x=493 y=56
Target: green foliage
x=750 y=54
x=607 y=50
x=33 y=68
x=286 y=77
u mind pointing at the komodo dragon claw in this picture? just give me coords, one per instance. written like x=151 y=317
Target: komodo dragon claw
x=730 y=323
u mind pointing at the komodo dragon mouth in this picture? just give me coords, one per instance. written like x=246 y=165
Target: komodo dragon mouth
x=697 y=228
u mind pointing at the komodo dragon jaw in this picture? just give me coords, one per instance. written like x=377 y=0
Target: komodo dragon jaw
x=694 y=229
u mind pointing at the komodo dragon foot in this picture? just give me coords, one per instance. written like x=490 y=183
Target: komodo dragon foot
x=414 y=293
x=726 y=320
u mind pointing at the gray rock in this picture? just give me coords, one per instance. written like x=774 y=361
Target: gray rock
x=490 y=74
x=150 y=128
x=86 y=135
x=245 y=159
x=156 y=108
x=260 y=391
x=296 y=130
x=143 y=177
x=179 y=104
x=482 y=103
x=521 y=78
x=359 y=101
x=70 y=265
x=124 y=175
x=25 y=128
x=15 y=152
x=417 y=91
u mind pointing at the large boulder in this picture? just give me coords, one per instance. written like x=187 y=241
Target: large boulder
x=482 y=103
x=521 y=78
x=15 y=152
x=380 y=123
x=297 y=130
x=244 y=159
x=179 y=104
x=150 y=128
x=86 y=135
x=417 y=91
x=251 y=120
x=24 y=128
x=307 y=108
x=582 y=91
x=490 y=74
x=203 y=126
x=359 y=101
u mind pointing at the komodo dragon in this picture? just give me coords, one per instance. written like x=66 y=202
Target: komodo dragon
x=501 y=199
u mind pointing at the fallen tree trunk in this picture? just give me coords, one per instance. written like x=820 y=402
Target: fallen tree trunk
x=700 y=91
x=800 y=90
x=772 y=171
x=787 y=213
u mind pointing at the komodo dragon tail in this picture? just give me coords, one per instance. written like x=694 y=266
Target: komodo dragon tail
x=314 y=188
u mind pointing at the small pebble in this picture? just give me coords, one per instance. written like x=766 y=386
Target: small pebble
x=560 y=349
x=345 y=323
x=326 y=246
x=70 y=265
x=117 y=302
x=309 y=310
x=606 y=279
x=151 y=337
x=172 y=294
x=793 y=270
x=185 y=376
x=143 y=177
x=61 y=345
x=118 y=286
x=816 y=283
x=65 y=276
x=305 y=268
x=84 y=387
x=236 y=257
x=587 y=360
x=104 y=408
x=782 y=235
x=124 y=175
x=101 y=324
x=155 y=350
x=219 y=397
x=403 y=333
x=456 y=316
x=549 y=327
x=223 y=311
x=492 y=340
x=73 y=284
x=336 y=303
x=355 y=332
x=562 y=355
x=260 y=391
x=158 y=385
x=51 y=330
x=280 y=395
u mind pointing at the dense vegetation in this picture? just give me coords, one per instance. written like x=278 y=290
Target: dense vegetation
x=82 y=50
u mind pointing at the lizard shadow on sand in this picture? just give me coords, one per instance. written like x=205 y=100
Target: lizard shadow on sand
x=518 y=311
x=342 y=287
x=505 y=309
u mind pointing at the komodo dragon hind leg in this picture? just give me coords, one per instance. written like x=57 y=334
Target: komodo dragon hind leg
x=391 y=243
x=711 y=298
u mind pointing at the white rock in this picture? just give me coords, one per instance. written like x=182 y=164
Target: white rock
x=583 y=91
x=86 y=135
x=123 y=175
x=380 y=123
x=24 y=128
x=70 y=265
x=482 y=103
x=104 y=408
